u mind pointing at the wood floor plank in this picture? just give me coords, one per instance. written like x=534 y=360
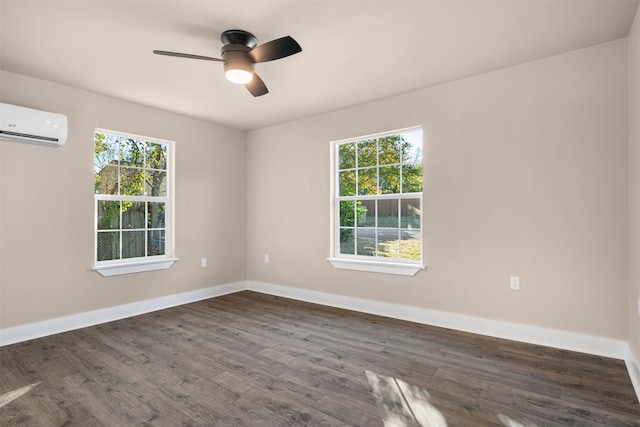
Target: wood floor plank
x=250 y=359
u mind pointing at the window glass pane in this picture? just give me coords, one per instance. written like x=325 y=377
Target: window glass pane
x=106 y=180
x=133 y=243
x=108 y=215
x=155 y=242
x=412 y=147
x=367 y=153
x=388 y=213
x=366 y=213
x=156 y=156
x=131 y=181
x=131 y=152
x=412 y=178
x=388 y=242
x=106 y=153
x=347 y=241
x=365 y=241
x=347 y=213
x=410 y=213
x=347 y=156
x=367 y=181
x=410 y=247
x=412 y=162
x=155 y=215
x=133 y=215
x=390 y=180
x=155 y=183
x=108 y=246
x=347 y=183
x=389 y=149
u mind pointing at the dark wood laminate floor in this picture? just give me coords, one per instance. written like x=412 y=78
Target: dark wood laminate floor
x=249 y=359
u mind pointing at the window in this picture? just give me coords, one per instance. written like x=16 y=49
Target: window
x=378 y=203
x=132 y=203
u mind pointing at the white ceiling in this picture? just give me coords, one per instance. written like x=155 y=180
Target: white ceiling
x=353 y=51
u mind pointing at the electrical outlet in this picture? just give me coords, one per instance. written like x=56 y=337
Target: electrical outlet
x=266 y=259
x=204 y=262
x=515 y=283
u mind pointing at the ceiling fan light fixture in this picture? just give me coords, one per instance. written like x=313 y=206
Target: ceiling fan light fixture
x=238 y=72
x=241 y=77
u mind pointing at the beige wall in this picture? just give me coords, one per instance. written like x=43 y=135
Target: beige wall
x=46 y=208
x=634 y=186
x=525 y=174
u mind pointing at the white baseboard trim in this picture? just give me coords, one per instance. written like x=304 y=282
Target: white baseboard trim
x=76 y=321
x=633 y=367
x=572 y=341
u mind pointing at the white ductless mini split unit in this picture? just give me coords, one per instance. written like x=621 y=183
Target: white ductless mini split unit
x=20 y=124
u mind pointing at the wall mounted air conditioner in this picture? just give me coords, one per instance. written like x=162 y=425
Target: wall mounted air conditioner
x=20 y=124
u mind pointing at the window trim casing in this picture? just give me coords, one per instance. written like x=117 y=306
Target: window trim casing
x=147 y=263
x=396 y=266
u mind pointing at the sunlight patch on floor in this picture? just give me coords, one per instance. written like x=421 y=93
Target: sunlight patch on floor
x=10 y=396
x=509 y=422
x=403 y=404
x=407 y=405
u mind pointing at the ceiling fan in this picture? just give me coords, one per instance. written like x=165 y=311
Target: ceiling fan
x=239 y=54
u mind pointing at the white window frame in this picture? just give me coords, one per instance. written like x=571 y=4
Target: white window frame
x=145 y=263
x=374 y=264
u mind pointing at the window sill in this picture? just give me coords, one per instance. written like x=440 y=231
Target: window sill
x=376 y=266
x=135 y=266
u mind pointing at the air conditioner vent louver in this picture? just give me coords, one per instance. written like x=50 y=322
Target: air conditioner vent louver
x=20 y=124
x=24 y=135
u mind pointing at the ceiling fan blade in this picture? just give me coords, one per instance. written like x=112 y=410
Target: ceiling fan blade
x=256 y=86
x=186 y=55
x=275 y=49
